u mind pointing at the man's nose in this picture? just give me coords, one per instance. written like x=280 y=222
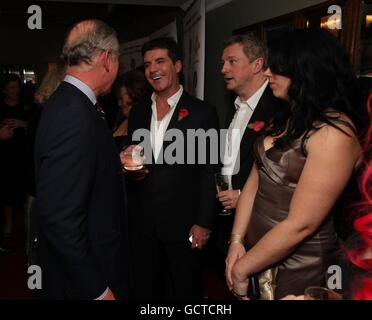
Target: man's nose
x=152 y=68
x=267 y=72
x=224 y=68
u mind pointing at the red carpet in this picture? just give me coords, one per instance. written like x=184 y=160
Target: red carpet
x=13 y=274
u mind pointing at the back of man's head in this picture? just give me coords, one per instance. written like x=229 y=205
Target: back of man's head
x=253 y=47
x=87 y=39
x=166 y=43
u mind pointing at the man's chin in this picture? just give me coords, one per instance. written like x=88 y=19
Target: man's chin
x=158 y=88
x=230 y=87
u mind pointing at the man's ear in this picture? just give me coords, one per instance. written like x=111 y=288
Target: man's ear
x=178 y=66
x=104 y=58
x=258 y=65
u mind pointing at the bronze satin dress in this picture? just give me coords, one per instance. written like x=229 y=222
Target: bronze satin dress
x=279 y=172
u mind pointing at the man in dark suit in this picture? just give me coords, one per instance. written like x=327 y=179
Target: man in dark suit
x=80 y=202
x=243 y=66
x=174 y=200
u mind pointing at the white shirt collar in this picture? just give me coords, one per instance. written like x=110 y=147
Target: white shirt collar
x=253 y=100
x=82 y=87
x=173 y=100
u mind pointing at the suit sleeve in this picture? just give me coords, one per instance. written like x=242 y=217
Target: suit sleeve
x=132 y=118
x=65 y=175
x=207 y=188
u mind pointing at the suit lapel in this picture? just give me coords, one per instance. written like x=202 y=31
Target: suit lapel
x=147 y=115
x=174 y=122
x=261 y=113
x=142 y=121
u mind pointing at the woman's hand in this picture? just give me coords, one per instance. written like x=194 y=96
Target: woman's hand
x=236 y=251
x=240 y=282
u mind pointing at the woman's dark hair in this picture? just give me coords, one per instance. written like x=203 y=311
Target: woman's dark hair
x=136 y=84
x=322 y=79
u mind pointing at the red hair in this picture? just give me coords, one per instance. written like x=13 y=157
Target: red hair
x=360 y=256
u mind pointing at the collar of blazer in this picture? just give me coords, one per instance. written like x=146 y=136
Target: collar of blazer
x=146 y=117
x=263 y=112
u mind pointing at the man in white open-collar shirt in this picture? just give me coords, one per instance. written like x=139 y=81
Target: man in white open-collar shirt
x=243 y=66
x=173 y=201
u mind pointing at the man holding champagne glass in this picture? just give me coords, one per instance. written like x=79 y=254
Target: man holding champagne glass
x=243 y=65
x=174 y=202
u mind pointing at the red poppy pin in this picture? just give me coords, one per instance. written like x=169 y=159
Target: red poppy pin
x=183 y=113
x=257 y=126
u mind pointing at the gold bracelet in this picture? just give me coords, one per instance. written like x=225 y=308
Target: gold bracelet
x=239 y=296
x=235 y=238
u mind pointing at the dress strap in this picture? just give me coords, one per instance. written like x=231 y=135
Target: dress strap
x=309 y=133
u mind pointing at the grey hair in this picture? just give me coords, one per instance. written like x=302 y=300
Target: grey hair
x=253 y=47
x=86 y=39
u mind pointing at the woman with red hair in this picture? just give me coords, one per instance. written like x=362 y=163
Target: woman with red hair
x=360 y=255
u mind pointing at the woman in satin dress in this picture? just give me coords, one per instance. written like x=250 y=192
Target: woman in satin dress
x=283 y=230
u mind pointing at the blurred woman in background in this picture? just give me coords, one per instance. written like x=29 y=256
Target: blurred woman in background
x=48 y=85
x=131 y=87
x=14 y=113
x=358 y=278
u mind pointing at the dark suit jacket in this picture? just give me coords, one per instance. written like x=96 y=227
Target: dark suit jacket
x=264 y=110
x=80 y=201
x=172 y=198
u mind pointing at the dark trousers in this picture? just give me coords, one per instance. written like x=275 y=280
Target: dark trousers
x=217 y=247
x=166 y=270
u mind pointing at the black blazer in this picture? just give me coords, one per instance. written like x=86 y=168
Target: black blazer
x=265 y=109
x=172 y=198
x=80 y=200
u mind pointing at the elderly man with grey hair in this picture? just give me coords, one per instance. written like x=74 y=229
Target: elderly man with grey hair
x=80 y=196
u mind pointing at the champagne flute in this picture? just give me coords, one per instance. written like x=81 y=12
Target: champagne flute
x=222 y=184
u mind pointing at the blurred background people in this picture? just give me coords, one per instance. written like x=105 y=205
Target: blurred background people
x=48 y=85
x=357 y=278
x=131 y=88
x=303 y=162
x=6 y=132
x=15 y=113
